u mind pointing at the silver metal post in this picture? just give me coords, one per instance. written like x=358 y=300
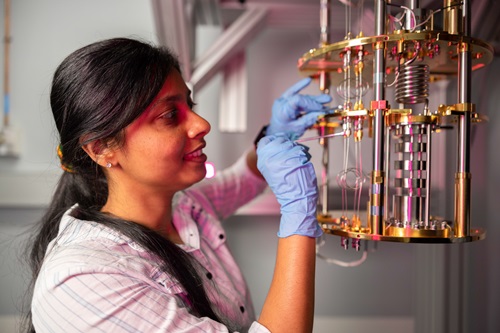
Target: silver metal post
x=324 y=19
x=377 y=180
x=463 y=176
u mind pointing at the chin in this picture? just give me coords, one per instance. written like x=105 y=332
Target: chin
x=199 y=176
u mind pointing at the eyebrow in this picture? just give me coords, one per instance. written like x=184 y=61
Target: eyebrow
x=173 y=98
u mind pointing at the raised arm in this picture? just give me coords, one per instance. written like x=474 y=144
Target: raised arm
x=286 y=167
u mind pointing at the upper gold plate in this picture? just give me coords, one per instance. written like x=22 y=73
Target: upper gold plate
x=439 y=50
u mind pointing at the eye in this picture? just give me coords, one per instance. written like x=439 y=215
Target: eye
x=170 y=115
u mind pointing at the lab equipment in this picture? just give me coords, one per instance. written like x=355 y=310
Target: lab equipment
x=408 y=51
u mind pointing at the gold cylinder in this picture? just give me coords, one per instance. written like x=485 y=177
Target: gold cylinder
x=461 y=226
x=324 y=82
x=452 y=17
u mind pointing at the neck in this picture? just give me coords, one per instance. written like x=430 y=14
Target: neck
x=153 y=211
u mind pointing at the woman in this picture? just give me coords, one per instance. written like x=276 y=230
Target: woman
x=128 y=244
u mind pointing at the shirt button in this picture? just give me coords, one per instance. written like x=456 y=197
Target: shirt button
x=209 y=276
x=242 y=309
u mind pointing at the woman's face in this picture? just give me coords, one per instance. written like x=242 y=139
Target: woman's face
x=162 y=149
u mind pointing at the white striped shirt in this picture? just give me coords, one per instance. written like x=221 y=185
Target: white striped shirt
x=94 y=279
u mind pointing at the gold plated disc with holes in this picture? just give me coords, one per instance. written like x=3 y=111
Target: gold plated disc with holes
x=332 y=224
x=438 y=49
x=475 y=235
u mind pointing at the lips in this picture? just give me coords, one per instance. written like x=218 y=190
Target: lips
x=196 y=156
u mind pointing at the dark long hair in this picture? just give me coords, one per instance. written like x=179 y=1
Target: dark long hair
x=96 y=92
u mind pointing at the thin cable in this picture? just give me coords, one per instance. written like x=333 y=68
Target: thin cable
x=360 y=179
x=428 y=18
x=346 y=163
x=348 y=25
x=319 y=137
x=361 y=14
x=344 y=263
x=337 y=262
x=413 y=19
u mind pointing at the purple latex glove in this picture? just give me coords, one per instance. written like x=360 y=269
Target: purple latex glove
x=293 y=113
x=286 y=167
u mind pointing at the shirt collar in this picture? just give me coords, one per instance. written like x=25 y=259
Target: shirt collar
x=193 y=223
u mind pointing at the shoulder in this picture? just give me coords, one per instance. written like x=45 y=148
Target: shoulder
x=88 y=247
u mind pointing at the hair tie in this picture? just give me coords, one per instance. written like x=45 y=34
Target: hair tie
x=65 y=167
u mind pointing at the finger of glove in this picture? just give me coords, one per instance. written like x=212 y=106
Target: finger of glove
x=306 y=121
x=322 y=98
x=264 y=141
x=269 y=141
x=300 y=104
x=296 y=87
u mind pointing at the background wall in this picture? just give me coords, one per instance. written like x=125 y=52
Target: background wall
x=384 y=294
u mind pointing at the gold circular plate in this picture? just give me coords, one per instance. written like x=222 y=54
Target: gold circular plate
x=427 y=237
x=440 y=52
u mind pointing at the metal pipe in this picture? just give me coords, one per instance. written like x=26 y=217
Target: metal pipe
x=463 y=176
x=324 y=21
x=377 y=182
x=379 y=85
x=387 y=167
x=325 y=158
x=412 y=5
x=428 y=176
x=324 y=85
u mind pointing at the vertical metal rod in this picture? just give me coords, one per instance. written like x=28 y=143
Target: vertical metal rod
x=463 y=176
x=412 y=5
x=428 y=176
x=387 y=167
x=379 y=85
x=324 y=85
x=464 y=94
x=324 y=21
x=324 y=177
x=377 y=181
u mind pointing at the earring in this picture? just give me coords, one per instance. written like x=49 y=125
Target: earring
x=109 y=165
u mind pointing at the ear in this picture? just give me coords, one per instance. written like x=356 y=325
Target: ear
x=100 y=152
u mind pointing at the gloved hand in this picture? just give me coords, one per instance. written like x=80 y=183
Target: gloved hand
x=293 y=113
x=286 y=167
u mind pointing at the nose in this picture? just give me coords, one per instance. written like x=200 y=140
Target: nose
x=197 y=126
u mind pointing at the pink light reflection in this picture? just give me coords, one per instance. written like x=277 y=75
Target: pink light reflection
x=210 y=168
